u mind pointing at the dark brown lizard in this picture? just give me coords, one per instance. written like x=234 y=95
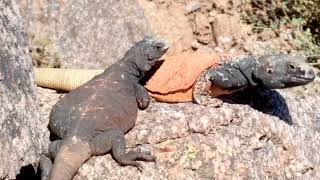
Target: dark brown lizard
x=92 y=119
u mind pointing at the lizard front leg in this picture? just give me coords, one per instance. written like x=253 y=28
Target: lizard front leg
x=142 y=96
x=201 y=92
x=223 y=80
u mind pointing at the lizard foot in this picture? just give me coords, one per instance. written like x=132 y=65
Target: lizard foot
x=214 y=103
x=130 y=157
x=209 y=101
x=114 y=140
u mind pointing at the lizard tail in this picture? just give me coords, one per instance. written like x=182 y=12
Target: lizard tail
x=63 y=79
x=71 y=155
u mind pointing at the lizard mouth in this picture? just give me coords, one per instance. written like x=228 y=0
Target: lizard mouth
x=309 y=76
x=303 y=77
x=295 y=81
x=149 y=57
x=151 y=60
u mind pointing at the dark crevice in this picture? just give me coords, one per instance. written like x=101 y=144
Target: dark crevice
x=28 y=173
x=152 y=71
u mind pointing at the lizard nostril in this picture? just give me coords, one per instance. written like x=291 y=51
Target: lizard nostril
x=311 y=73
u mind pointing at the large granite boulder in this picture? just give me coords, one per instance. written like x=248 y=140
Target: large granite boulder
x=82 y=34
x=23 y=135
x=234 y=141
x=276 y=136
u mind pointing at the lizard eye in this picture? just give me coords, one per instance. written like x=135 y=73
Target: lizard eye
x=158 y=46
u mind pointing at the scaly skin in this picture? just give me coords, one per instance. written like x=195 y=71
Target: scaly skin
x=64 y=79
x=92 y=119
x=268 y=72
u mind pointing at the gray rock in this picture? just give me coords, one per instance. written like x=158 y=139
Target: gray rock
x=84 y=34
x=278 y=141
x=22 y=132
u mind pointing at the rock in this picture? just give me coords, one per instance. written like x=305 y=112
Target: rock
x=222 y=4
x=169 y=22
x=203 y=29
x=227 y=30
x=84 y=34
x=23 y=134
x=192 y=7
x=279 y=141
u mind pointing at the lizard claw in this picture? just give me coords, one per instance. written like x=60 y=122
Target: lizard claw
x=136 y=164
x=146 y=152
x=139 y=167
x=149 y=158
x=215 y=103
x=146 y=156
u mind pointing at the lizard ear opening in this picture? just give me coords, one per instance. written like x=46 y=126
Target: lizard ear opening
x=269 y=70
x=291 y=66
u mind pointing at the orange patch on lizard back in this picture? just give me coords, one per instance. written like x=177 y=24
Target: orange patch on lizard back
x=173 y=81
x=180 y=96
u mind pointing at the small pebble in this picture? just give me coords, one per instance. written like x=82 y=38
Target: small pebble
x=192 y=7
x=195 y=45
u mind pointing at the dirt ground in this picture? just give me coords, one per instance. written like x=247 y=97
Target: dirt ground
x=219 y=26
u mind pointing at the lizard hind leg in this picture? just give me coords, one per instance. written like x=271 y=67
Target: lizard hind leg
x=46 y=159
x=72 y=153
x=45 y=166
x=113 y=140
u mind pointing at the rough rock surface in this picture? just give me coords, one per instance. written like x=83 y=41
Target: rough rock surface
x=227 y=30
x=279 y=141
x=169 y=22
x=22 y=134
x=82 y=34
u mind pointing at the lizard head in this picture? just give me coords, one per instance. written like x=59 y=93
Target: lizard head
x=282 y=71
x=147 y=52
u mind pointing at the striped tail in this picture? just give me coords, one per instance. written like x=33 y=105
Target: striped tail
x=63 y=79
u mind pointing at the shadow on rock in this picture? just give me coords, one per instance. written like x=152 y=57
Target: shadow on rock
x=267 y=101
x=28 y=172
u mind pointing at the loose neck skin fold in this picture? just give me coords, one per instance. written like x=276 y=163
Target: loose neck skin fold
x=248 y=68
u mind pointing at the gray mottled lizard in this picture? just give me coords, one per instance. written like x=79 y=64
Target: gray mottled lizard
x=92 y=119
x=266 y=72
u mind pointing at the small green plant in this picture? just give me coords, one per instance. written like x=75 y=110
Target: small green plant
x=192 y=152
x=302 y=17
